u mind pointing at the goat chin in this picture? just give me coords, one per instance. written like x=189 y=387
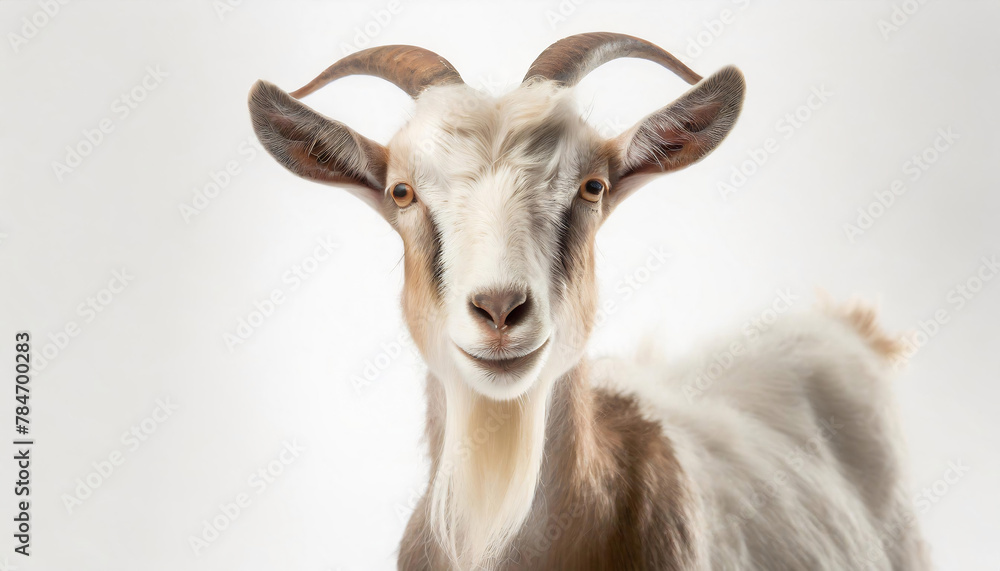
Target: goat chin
x=499 y=386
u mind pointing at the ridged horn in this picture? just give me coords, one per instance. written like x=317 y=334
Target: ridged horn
x=570 y=59
x=410 y=68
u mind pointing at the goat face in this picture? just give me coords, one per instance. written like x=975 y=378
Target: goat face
x=491 y=207
x=498 y=200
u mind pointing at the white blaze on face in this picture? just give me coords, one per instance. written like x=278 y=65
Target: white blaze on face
x=493 y=241
x=491 y=182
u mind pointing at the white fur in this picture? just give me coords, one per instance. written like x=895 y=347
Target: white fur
x=734 y=438
x=487 y=210
x=792 y=449
x=797 y=424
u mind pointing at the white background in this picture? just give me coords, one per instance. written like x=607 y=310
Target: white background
x=342 y=503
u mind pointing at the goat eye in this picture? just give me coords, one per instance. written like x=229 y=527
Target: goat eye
x=403 y=194
x=592 y=189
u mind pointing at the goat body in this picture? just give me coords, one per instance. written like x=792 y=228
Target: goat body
x=784 y=456
x=787 y=460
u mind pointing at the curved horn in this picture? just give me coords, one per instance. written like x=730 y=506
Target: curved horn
x=410 y=68
x=570 y=59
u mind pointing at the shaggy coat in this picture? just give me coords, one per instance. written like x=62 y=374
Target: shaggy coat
x=786 y=457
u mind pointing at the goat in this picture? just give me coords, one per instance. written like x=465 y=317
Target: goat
x=540 y=459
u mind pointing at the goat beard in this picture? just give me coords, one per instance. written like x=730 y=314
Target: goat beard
x=485 y=484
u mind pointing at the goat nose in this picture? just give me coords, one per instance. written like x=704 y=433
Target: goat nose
x=501 y=308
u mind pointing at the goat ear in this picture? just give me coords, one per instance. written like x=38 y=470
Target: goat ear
x=317 y=147
x=680 y=134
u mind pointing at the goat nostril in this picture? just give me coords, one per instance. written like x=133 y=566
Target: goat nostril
x=517 y=311
x=499 y=309
x=484 y=314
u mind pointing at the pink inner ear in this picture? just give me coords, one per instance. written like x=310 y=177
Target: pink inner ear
x=671 y=139
x=673 y=145
x=701 y=116
x=667 y=139
x=288 y=128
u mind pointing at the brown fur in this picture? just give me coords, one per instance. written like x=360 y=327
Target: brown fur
x=611 y=494
x=863 y=318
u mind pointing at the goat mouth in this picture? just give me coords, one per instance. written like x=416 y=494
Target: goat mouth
x=510 y=366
